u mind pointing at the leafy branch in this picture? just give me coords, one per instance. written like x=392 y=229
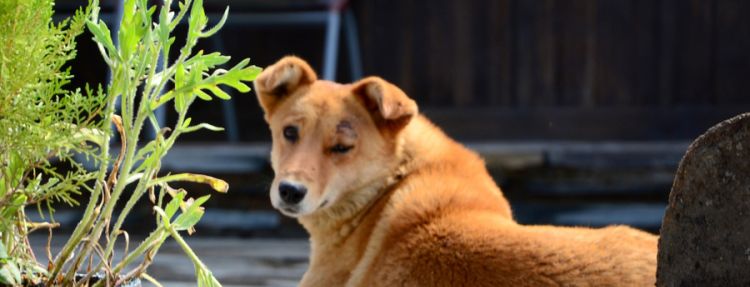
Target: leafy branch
x=144 y=47
x=42 y=124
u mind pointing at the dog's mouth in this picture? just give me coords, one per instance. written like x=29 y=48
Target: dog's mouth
x=297 y=210
x=290 y=209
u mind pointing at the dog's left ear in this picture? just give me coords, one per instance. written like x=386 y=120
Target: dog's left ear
x=281 y=80
x=389 y=106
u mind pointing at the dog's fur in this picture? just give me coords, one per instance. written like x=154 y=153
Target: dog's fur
x=392 y=201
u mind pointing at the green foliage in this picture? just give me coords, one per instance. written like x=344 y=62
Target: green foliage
x=38 y=115
x=41 y=122
x=144 y=47
x=44 y=125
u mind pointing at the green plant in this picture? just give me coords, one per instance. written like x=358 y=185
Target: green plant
x=143 y=47
x=42 y=124
x=134 y=66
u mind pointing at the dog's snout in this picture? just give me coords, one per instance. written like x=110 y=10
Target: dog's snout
x=291 y=193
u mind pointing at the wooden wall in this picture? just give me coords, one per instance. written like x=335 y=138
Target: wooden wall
x=563 y=62
x=581 y=53
x=485 y=70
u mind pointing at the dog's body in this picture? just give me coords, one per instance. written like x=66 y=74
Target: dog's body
x=390 y=200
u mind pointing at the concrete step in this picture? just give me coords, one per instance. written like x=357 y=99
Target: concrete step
x=547 y=182
x=252 y=157
x=643 y=215
x=233 y=261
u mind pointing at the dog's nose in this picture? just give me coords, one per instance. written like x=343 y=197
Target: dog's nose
x=291 y=193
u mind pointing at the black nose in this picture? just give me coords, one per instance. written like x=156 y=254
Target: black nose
x=291 y=193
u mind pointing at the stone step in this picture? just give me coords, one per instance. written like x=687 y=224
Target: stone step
x=234 y=262
x=253 y=157
x=552 y=182
x=643 y=215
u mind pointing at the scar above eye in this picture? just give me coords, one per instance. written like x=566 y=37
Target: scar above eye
x=345 y=128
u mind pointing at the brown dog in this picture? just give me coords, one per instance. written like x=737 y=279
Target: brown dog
x=390 y=200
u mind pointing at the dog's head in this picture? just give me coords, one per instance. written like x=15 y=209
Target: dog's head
x=330 y=140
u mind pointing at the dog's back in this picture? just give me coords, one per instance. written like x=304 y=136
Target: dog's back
x=448 y=225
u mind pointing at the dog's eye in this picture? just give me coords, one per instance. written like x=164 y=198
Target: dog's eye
x=291 y=133
x=341 y=149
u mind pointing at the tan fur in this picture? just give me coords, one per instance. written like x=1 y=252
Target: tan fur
x=408 y=206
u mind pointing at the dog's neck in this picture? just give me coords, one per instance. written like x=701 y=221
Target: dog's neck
x=413 y=151
x=338 y=222
x=419 y=144
x=352 y=226
x=348 y=227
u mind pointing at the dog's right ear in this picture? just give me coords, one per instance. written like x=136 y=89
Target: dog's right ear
x=280 y=80
x=389 y=106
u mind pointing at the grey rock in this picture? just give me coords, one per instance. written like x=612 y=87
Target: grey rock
x=705 y=234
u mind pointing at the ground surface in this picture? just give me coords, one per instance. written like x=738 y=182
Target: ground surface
x=235 y=262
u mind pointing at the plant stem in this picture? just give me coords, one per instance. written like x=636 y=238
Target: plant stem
x=186 y=248
x=151 y=279
x=89 y=214
x=109 y=205
x=153 y=240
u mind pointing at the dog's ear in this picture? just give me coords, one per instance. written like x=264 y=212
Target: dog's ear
x=388 y=105
x=280 y=80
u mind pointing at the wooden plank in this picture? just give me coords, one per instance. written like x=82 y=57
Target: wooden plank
x=462 y=53
x=404 y=30
x=626 y=68
x=644 y=62
x=499 y=62
x=577 y=53
x=384 y=27
x=732 y=52
x=614 y=53
x=694 y=65
x=363 y=13
x=602 y=123
x=419 y=58
x=441 y=30
x=536 y=53
x=667 y=50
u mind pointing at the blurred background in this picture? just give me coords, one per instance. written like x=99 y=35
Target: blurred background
x=581 y=108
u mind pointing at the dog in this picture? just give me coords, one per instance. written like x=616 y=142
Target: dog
x=390 y=200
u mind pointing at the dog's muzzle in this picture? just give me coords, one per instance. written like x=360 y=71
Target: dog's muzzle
x=290 y=193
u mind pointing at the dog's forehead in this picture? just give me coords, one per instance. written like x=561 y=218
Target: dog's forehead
x=324 y=99
x=323 y=104
x=326 y=93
